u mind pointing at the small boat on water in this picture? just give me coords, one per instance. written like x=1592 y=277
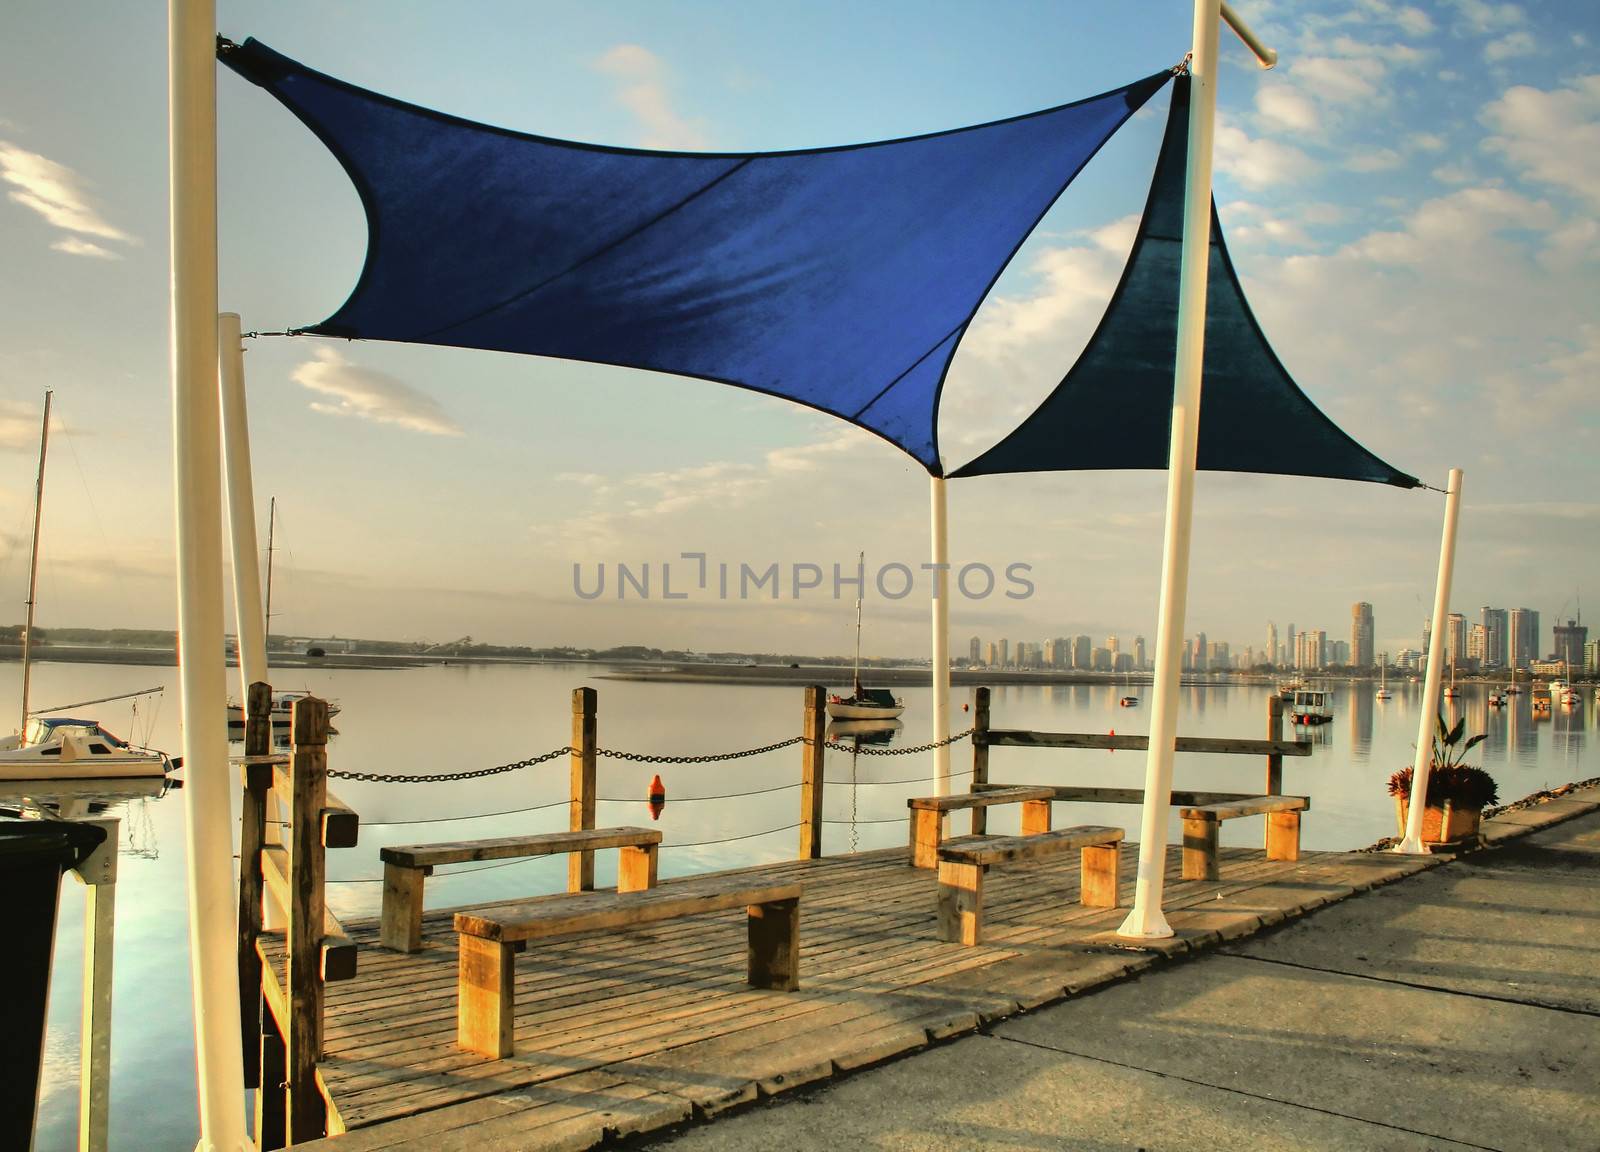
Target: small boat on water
x=1497 y=699
x=282 y=709
x=66 y=748
x=1128 y=702
x=1312 y=708
x=1570 y=699
x=1383 y=692
x=863 y=703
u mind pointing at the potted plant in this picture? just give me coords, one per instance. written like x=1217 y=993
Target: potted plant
x=1457 y=792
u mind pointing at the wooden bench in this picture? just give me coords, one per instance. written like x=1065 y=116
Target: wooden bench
x=1201 y=824
x=961 y=868
x=404 y=868
x=490 y=937
x=928 y=812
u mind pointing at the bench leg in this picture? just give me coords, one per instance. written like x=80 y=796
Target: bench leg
x=960 y=902
x=773 y=953
x=485 y=1000
x=1200 y=849
x=401 y=926
x=636 y=868
x=926 y=827
x=1099 y=874
x=1283 y=835
x=1035 y=817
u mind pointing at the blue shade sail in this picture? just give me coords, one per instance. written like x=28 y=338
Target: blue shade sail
x=841 y=278
x=1114 y=407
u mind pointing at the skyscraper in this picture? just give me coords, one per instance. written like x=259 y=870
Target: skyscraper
x=1005 y=653
x=1496 y=651
x=1272 y=642
x=1081 y=651
x=975 y=651
x=1361 y=634
x=1570 y=639
x=1201 y=652
x=1455 y=638
x=1138 y=653
x=1522 y=637
x=1290 y=651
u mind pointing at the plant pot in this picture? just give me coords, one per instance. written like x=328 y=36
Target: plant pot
x=1443 y=828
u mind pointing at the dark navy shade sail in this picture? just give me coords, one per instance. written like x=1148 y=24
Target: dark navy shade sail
x=1114 y=407
x=841 y=278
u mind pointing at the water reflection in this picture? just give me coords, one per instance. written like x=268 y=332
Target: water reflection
x=1361 y=708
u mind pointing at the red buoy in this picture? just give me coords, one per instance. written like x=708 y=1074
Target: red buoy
x=656 y=794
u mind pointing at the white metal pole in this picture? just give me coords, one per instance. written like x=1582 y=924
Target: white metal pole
x=241 y=506
x=202 y=673
x=1146 y=919
x=941 y=635
x=1429 y=708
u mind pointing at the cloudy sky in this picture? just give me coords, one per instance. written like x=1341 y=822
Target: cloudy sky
x=1411 y=198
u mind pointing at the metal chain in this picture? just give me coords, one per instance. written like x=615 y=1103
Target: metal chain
x=438 y=777
x=866 y=750
x=647 y=758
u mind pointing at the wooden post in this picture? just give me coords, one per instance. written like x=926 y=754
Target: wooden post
x=1200 y=849
x=271 y=1098
x=580 y=865
x=636 y=867
x=980 y=756
x=257 y=780
x=308 y=773
x=960 y=902
x=1274 y=732
x=486 y=979
x=1099 y=873
x=814 y=728
x=772 y=954
x=1035 y=817
x=99 y=874
x=1283 y=835
x=401 y=925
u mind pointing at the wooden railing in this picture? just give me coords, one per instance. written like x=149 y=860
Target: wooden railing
x=284 y=968
x=1274 y=748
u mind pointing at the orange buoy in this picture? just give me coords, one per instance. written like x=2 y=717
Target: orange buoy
x=656 y=794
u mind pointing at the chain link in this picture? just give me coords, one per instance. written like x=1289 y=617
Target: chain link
x=648 y=758
x=634 y=757
x=439 y=777
x=868 y=750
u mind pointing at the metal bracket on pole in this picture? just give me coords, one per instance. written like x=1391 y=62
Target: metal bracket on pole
x=1265 y=56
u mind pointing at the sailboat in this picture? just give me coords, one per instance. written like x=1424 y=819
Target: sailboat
x=863 y=703
x=1383 y=692
x=61 y=747
x=1452 y=692
x=282 y=701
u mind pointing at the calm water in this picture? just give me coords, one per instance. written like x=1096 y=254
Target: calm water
x=448 y=718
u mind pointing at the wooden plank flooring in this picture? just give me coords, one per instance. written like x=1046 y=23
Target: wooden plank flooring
x=627 y=1031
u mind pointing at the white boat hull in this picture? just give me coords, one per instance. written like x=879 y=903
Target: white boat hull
x=19 y=766
x=842 y=711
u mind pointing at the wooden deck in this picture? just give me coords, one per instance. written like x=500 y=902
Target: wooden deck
x=630 y=1031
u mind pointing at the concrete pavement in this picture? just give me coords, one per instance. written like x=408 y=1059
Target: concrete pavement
x=1458 y=1008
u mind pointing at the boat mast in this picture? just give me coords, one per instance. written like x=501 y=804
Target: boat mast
x=272 y=523
x=861 y=573
x=33 y=561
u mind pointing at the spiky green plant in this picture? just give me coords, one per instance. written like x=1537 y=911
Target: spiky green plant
x=1449 y=778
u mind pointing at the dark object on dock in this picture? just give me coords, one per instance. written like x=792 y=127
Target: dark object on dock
x=33 y=855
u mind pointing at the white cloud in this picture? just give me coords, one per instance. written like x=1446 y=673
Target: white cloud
x=73 y=246
x=1343 y=79
x=642 y=80
x=1258 y=162
x=1483 y=17
x=1518 y=43
x=1552 y=137
x=1374 y=160
x=1285 y=106
x=370 y=394
x=58 y=194
x=1428 y=142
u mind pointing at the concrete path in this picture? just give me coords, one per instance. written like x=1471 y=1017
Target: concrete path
x=1459 y=1008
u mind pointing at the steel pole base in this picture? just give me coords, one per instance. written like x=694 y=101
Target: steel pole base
x=1145 y=924
x=1410 y=847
